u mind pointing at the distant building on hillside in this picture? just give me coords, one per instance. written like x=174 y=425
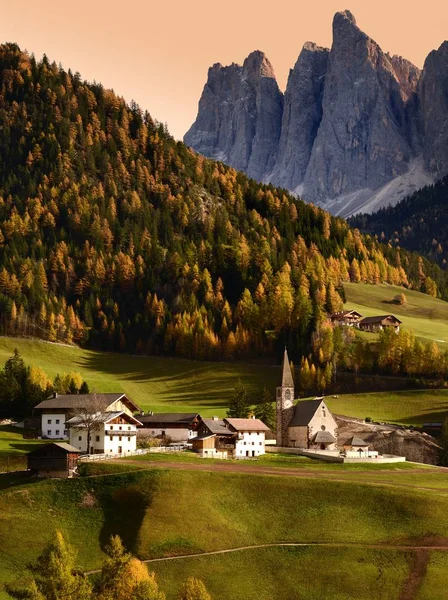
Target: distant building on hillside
x=348 y=318
x=56 y=459
x=235 y=438
x=59 y=408
x=379 y=323
x=179 y=427
x=308 y=424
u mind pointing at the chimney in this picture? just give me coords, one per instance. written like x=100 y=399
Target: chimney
x=215 y=418
x=253 y=417
x=55 y=394
x=151 y=413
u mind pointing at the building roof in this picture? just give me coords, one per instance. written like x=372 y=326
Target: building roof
x=204 y=436
x=247 y=424
x=74 y=401
x=287 y=380
x=345 y=313
x=62 y=445
x=105 y=417
x=378 y=319
x=304 y=412
x=356 y=441
x=217 y=426
x=168 y=418
x=324 y=437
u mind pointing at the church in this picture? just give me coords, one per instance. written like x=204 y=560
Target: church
x=308 y=424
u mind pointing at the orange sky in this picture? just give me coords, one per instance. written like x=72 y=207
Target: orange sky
x=158 y=53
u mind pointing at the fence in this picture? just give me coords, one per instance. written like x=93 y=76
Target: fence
x=96 y=457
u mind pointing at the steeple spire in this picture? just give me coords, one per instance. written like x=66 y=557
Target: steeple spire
x=287 y=380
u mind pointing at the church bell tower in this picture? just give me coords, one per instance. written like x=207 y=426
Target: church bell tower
x=285 y=402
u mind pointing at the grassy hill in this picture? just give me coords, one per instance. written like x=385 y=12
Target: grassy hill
x=426 y=316
x=163 y=512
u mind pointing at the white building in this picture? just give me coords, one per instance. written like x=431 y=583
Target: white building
x=110 y=433
x=55 y=411
x=250 y=439
x=235 y=438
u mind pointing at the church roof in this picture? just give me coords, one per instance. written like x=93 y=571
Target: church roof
x=356 y=441
x=323 y=437
x=304 y=412
x=287 y=380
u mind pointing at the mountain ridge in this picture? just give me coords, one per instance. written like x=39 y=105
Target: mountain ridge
x=351 y=124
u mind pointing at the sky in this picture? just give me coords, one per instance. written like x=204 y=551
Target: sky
x=158 y=52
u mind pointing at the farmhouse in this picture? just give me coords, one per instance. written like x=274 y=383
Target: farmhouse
x=308 y=424
x=179 y=427
x=348 y=318
x=104 y=433
x=56 y=459
x=374 y=324
x=57 y=410
x=237 y=438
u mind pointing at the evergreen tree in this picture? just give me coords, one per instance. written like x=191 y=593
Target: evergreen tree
x=239 y=403
x=265 y=410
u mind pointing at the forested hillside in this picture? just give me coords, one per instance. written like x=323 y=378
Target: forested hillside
x=419 y=222
x=115 y=236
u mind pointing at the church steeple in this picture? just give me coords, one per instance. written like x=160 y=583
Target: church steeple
x=285 y=402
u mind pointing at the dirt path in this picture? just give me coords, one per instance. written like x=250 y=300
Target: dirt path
x=416 y=575
x=339 y=476
x=418 y=565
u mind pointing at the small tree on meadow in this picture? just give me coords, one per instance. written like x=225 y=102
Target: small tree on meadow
x=400 y=299
x=194 y=589
x=239 y=403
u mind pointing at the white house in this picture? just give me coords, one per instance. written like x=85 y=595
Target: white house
x=55 y=411
x=110 y=433
x=250 y=439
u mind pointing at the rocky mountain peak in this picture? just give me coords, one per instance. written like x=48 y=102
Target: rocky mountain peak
x=257 y=65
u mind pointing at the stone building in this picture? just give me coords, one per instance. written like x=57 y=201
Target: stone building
x=308 y=424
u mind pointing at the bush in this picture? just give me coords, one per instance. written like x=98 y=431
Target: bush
x=368 y=420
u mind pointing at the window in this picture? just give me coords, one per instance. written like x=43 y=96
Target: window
x=97 y=438
x=120 y=428
x=49 y=421
x=129 y=439
x=57 y=421
x=49 y=432
x=261 y=443
x=245 y=443
x=119 y=439
x=129 y=427
x=323 y=427
x=253 y=443
x=111 y=427
x=65 y=432
x=57 y=432
x=79 y=438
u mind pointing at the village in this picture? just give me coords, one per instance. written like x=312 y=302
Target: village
x=109 y=426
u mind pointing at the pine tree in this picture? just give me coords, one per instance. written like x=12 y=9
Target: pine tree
x=265 y=410
x=239 y=403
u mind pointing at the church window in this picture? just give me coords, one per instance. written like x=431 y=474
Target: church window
x=323 y=427
x=288 y=395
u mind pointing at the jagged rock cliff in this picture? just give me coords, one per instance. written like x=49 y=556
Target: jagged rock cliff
x=433 y=92
x=240 y=115
x=357 y=128
x=302 y=115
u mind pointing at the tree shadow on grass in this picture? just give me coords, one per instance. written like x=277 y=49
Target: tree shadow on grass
x=124 y=499
x=9 y=480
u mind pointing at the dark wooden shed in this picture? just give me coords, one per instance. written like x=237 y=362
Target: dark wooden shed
x=57 y=459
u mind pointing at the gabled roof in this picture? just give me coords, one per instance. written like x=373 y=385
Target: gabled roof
x=204 y=436
x=168 y=418
x=323 y=437
x=247 y=424
x=287 y=380
x=74 y=401
x=379 y=319
x=356 y=441
x=105 y=417
x=217 y=426
x=304 y=412
x=345 y=313
x=62 y=445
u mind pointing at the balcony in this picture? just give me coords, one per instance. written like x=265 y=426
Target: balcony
x=123 y=433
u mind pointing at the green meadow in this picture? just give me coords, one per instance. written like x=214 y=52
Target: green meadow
x=163 y=513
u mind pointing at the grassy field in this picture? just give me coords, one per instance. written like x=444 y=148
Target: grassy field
x=163 y=512
x=409 y=407
x=158 y=384
x=426 y=316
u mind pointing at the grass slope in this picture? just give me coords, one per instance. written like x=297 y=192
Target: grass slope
x=426 y=316
x=158 y=384
x=167 y=512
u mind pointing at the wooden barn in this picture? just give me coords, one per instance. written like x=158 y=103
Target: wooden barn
x=57 y=459
x=375 y=324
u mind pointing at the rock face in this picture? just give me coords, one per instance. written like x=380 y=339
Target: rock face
x=360 y=143
x=302 y=115
x=239 y=117
x=357 y=128
x=433 y=93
